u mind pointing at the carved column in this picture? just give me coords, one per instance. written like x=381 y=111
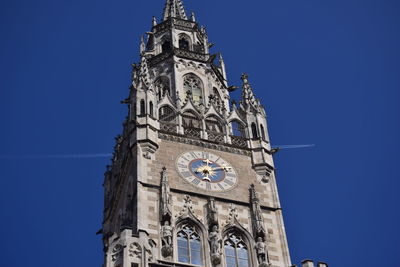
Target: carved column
x=214 y=235
x=259 y=232
x=165 y=216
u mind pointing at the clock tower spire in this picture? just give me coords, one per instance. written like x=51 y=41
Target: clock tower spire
x=192 y=180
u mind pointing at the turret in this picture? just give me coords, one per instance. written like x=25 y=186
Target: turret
x=256 y=120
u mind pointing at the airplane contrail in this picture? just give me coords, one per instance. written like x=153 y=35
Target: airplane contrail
x=71 y=156
x=294 y=146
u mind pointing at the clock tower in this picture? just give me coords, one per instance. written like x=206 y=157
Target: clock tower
x=192 y=180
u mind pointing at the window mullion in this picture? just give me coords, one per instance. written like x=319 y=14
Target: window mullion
x=189 y=250
x=236 y=256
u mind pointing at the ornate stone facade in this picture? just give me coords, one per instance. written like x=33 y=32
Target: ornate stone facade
x=163 y=208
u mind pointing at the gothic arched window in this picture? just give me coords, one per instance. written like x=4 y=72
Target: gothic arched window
x=162 y=87
x=151 y=109
x=254 y=130
x=166 y=46
x=238 y=129
x=142 y=107
x=262 y=132
x=189 y=245
x=193 y=84
x=213 y=124
x=236 y=251
x=167 y=118
x=191 y=124
x=184 y=42
x=166 y=114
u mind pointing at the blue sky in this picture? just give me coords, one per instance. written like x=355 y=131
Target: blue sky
x=326 y=71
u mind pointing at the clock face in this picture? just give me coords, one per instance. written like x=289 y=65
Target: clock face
x=206 y=171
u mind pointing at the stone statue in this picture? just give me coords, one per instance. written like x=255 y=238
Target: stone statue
x=167 y=233
x=215 y=245
x=257 y=217
x=260 y=248
x=166 y=236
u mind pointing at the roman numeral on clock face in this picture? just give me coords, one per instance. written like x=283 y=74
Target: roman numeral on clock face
x=186 y=174
x=194 y=156
x=195 y=181
x=183 y=166
x=206 y=155
x=220 y=186
x=229 y=182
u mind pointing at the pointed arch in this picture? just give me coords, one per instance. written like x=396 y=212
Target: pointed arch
x=142 y=107
x=262 y=132
x=193 y=87
x=238 y=133
x=192 y=124
x=166 y=44
x=168 y=118
x=254 y=130
x=184 y=42
x=237 y=246
x=151 y=108
x=162 y=86
x=215 y=129
x=191 y=242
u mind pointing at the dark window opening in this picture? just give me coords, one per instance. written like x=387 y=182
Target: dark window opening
x=151 y=109
x=166 y=46
x=262 y=132
x=254 y=130
x=142 y=107
x=184 y=44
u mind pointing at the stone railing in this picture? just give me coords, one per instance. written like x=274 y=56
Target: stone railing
x=192 y=132
x=168 y=127
x=216 y=137
x=191 y=55
x=158 y=58
x=238 y=141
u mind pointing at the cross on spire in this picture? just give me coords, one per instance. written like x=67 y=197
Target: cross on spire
x=174 y=9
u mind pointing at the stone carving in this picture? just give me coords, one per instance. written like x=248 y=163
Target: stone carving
x=233 y=215
x=141 y=252
x=117 y=254
x=262 y=256
x=165 y=197
x=257 y=219
x=166 y=239
x=215 y=245
x=205 y=144
x=167 y=233
x=135 y=250
x=212 y=215
x=187 y=207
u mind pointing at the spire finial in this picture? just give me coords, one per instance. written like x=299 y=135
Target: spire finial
x=193 y=17
x=154 y=21
x=247 y=92
x=174 y=9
